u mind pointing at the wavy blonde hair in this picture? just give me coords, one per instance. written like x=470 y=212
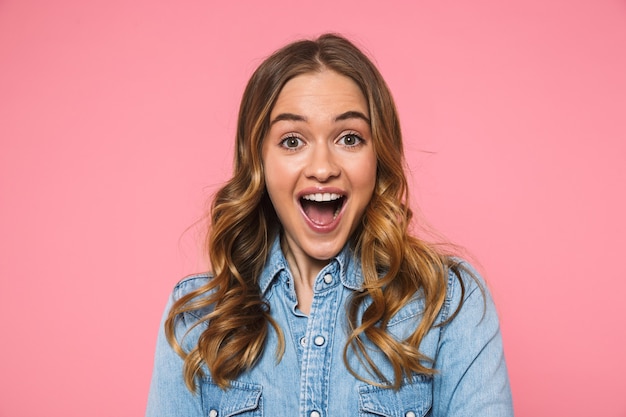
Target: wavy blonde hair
x=243 y=224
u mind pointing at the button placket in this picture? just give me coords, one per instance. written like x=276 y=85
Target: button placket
x=316 y=356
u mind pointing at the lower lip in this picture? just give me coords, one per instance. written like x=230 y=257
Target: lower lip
x=325 y=228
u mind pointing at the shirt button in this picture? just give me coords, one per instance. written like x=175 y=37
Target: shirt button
x=315 y=414
x=303 y=342
x=328 y=278
x=409 y=414
x=213 y=413
x=319 y=341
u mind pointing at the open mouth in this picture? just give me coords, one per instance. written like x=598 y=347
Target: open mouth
x=322 y=208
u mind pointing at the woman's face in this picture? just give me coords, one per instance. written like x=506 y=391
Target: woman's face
x=319 y=162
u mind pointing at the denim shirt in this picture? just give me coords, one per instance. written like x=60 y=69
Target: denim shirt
x=311 y=379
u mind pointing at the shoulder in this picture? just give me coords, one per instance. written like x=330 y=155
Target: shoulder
x=195 y=286
x=471 y=374
x=190 y=284
x=465 y=289
x=461 y=274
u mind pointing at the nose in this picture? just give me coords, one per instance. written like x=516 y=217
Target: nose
x=322 y=165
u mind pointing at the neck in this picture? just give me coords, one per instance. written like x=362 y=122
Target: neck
x=304 y=270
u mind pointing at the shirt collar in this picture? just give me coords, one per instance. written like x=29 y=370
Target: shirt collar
x=350 y=272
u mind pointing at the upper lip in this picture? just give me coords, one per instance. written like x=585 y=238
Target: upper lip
x=321 y=194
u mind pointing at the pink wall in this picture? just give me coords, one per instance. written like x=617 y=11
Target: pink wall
x=116 y=119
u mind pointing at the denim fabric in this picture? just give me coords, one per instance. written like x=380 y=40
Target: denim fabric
x=312 y=380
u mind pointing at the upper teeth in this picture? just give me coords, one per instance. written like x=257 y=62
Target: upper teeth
x=322 y=197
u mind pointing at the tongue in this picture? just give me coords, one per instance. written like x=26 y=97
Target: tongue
x=319 y=213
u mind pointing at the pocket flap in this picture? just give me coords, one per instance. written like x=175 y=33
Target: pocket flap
x=412 y=399
x=237 y=399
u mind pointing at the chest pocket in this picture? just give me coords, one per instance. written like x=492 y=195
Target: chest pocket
x=411 y=400
x=240 y=399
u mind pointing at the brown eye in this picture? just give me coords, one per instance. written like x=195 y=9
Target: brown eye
x=292 y=142
x=350 y=140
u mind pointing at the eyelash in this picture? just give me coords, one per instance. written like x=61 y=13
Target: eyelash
x=291 y=137
x=359 y=139
x=283 y=142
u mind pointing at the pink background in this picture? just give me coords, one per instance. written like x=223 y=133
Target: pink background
x=116 y=125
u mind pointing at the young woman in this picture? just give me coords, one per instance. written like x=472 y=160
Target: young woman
x=320 y=302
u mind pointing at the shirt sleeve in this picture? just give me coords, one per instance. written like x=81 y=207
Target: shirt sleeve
x=169 y=396
x=472 y=378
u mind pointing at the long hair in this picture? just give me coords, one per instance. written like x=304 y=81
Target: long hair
x=243 y=224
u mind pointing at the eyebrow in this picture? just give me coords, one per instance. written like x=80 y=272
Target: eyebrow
x=352 y=114
x=288 y=116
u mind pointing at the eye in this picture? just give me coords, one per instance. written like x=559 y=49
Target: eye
x=350 y=140
x=292 y=142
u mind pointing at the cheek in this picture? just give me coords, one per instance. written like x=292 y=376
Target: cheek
x=269 y=167
x=277 y=179
x=366 y=178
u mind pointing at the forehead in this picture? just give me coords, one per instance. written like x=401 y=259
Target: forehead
x=321 y=90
